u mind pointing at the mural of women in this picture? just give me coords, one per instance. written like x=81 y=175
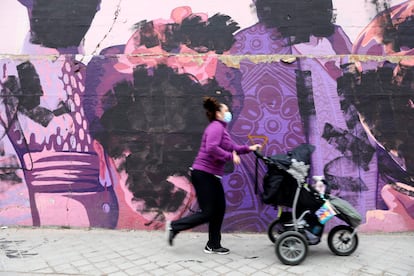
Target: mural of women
x=44 y=120
x=383 y=95
x=143 y=105
x=96 y=145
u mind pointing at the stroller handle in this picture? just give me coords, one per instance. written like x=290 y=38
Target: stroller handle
x=259 y=155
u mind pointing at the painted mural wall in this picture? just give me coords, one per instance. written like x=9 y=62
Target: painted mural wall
x=101 y=105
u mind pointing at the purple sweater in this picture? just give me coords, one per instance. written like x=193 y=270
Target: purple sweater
x=216 y=149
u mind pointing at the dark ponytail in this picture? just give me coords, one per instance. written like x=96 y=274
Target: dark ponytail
x=211 y=105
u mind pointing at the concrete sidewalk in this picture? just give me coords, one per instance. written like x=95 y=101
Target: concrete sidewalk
x=49 y=251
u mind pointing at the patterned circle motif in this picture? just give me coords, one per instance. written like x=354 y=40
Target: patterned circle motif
x=252 y=109
x=256 y=44
x=272 y=126
x=270 y=96
x=289 y=108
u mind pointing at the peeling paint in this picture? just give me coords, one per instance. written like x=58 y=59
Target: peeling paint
x=229 y=60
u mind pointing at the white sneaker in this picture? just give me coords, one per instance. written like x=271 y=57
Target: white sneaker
x=220 y=250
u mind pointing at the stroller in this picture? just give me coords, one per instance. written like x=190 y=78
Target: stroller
x=303 y=211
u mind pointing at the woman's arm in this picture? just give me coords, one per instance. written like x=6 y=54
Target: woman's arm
x=243 y=149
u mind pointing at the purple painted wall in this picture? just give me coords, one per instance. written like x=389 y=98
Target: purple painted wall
x=101 y=106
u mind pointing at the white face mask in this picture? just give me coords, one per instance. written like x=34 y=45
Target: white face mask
x=227 y=117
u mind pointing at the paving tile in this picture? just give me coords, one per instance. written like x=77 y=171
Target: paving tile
x=119 y=273
x=135 y=271
x=223 y=269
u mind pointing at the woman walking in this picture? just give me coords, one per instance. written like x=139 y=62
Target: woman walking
x=216 y=149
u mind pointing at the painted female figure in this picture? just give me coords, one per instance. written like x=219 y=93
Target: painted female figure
x=45 y=122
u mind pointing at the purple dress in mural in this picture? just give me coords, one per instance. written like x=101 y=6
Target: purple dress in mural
x=291 y=101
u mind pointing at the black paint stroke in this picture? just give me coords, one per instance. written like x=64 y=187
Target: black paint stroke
x=398 y=33
x=341 y=181
x=297 y=19
x=61 y=23
x=384 y=99
x=23 y=94
x=215 y=34
x=305 y=100
x=8 y=167
x=405 y=31
x=159 y=120
x=356 y=149
x=30 y=87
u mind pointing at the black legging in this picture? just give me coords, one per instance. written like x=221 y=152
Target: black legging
x=212 y=202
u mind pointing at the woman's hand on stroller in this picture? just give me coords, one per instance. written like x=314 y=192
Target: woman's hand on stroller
x=256 y=147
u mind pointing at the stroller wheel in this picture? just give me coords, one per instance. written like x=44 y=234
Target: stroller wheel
x=277 y=227
x=341 y=241
x=291 y=248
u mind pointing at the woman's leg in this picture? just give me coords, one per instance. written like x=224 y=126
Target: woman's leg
x=205 y=192
x=216 y=220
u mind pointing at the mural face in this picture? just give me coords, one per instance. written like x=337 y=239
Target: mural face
x=106 y=139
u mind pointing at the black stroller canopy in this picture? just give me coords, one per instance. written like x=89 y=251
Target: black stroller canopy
x=301 y=153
